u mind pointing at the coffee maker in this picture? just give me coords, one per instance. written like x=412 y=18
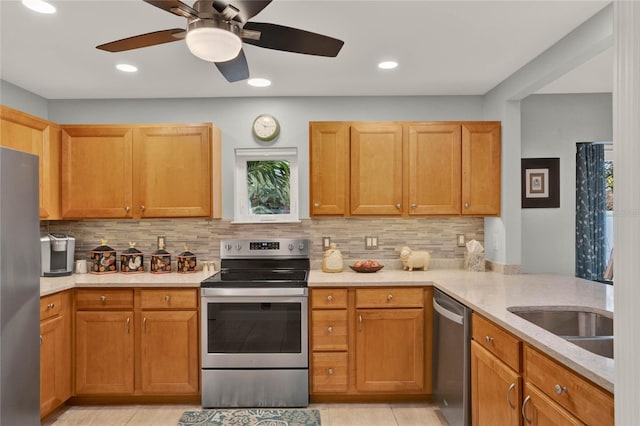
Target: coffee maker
x=56 y=254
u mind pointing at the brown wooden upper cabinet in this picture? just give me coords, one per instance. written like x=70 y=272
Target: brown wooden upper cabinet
x=24 y=132
x=140 y=171
x=405 y=168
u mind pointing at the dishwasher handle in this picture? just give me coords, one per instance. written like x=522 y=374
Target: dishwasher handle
x=458 y=319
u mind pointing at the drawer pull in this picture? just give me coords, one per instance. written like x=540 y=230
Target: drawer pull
x=330 y=371
x=488 y=339
x=51 y=305
x=330 y=298
x=166 y=298
x=103 y=298
x=390 y=297
x=560 y=389
x=524 y=405
x=511 y=388
x=330 y=330
x=398 y=206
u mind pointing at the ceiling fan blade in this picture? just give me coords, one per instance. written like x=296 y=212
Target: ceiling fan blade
x=235 y=69
x=241 y=10
x=279 y=37
x=174 y=6
x=143 y=40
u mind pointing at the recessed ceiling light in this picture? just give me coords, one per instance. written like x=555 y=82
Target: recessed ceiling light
x=259 y=82
x=40 y=6
x=127 y=67
x=387 y=65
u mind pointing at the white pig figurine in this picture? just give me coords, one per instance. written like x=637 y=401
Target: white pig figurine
x=414 y=259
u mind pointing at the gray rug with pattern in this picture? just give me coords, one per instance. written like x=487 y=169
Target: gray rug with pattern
x=251 y=417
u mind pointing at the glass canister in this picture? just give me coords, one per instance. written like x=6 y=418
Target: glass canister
x=186 y=261
x=160 y=261
x=103 y=259
x=132 y=260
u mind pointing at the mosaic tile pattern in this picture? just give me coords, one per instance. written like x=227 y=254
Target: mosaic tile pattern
x=436 y=235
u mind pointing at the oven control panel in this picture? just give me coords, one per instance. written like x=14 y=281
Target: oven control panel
x=265 y=248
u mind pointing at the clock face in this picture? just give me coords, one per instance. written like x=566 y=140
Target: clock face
x=266 y=127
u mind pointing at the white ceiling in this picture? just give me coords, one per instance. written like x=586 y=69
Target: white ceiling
x=443 y=47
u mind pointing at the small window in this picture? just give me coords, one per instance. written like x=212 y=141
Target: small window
x=266 y=185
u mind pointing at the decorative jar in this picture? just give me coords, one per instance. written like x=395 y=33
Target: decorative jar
x=186 y=261
x=103 y=259
x=132 y=260
x=160 y=261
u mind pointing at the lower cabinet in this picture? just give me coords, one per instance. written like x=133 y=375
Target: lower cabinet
x=370 y=342
x=137 y=342
x=514 y=384
x=55 y=351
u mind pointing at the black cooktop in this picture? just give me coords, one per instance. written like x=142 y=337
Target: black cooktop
x=260 y=273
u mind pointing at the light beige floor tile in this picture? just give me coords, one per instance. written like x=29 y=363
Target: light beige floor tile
x=416 y=416
x=361 y=416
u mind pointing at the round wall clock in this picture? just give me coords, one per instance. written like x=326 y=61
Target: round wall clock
x=265 y=127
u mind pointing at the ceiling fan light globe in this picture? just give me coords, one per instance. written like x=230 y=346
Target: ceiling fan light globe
x=213 y=44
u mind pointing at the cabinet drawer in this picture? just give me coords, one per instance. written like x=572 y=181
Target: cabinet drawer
x=583 y=399
x=393 y=297
x=329 y=330
x=50 y=306
x=329 y=372
x=169 y=298
x=104 y=299
x=329 y=298
x=497 y=341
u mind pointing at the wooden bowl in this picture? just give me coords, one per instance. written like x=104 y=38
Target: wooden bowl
x=366 y=270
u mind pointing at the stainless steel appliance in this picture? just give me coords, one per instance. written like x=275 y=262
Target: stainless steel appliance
x=451 y=358
x=56 y=255
x=255 y=325
x=19 y=289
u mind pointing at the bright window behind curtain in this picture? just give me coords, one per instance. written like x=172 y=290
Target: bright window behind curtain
x=590 y=211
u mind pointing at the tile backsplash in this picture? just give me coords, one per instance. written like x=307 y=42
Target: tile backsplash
x=202 y=236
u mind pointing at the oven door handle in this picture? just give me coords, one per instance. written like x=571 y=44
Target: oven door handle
x=253 y=292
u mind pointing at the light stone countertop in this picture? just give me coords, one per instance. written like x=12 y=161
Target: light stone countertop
x=490 y=294
x=487 y=293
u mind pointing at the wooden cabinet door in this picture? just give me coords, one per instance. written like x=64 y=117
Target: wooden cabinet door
x=329 y=168
x=104 y=352
x=539 y=410
x=172 y=171
x=495 y=390
x=169 y=352
x=390 y=350
x=27 y=133
x=376 y=169
x=96 y=172
x=481 y=155
x=51 y=348
x=434 y=168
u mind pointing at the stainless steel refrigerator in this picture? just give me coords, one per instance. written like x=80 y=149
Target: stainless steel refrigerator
x=19 y=289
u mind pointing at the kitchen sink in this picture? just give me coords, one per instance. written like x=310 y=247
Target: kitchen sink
x=590 y=330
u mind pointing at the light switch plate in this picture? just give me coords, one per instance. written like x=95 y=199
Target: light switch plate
x=161 y=242
x=326 y=243
x=460 y=240
x=371 y=243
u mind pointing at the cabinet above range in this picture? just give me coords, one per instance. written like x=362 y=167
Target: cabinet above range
x=140 y=171
x=405 y=168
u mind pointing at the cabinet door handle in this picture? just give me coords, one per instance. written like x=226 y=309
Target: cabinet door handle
x=51 y=305
x=360 y=321
x=398 y=206
x=127 y=208
x=144 y=324
x=128 y=323
x=524 y=405
x=414 y=206
x=41 y=340
x=316 y=205
x=142 y=208
x=560 y=389
x=511 y=388
x=466 y=205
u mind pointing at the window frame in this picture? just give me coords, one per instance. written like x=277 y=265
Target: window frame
x=242 y=213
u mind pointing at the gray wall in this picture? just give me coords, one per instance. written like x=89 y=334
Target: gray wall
x=551 y=127
x=23 y=100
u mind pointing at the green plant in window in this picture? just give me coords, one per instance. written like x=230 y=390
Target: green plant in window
x=268 y=186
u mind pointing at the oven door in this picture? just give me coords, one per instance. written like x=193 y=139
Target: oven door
x=255 y=331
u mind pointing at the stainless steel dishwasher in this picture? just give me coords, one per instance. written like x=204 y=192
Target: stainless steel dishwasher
x=451 y=358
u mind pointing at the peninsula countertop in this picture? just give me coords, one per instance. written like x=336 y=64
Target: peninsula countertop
x=490 y=294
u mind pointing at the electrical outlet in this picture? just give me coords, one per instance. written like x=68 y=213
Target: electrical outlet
x=161 y=242
x=460 y=240
x=326 y=243
x=370 y=243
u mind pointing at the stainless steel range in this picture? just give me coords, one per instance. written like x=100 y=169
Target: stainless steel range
x=254 y=325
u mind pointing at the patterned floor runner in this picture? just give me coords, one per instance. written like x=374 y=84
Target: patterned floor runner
x=251 y=417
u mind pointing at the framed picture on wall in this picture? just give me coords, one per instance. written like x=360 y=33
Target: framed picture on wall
x=540 y=182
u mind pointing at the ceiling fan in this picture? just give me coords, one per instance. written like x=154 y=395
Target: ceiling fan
x=216 y=30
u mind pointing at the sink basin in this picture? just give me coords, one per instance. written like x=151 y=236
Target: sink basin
x=590 y=330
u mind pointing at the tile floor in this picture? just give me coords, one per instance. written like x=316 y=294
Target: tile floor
x=331 y=415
